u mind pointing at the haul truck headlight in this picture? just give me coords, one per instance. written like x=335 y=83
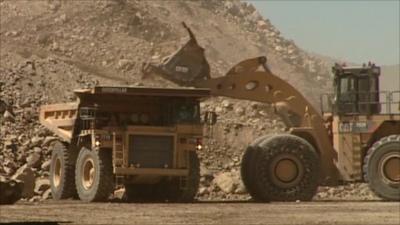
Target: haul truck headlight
x=102 y=137
x=199 y=144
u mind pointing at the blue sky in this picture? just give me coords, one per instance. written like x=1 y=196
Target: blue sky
x=356 y=31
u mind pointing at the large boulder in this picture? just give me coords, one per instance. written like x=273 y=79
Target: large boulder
x=34 y=160
x=226 y=182
x=42 y=185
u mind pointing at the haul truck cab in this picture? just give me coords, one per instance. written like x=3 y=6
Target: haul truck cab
x=144 y=138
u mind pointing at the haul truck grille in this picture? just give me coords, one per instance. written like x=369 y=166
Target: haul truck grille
x=148 y=151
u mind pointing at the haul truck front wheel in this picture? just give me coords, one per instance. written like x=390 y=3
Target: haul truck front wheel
x=382 y=167
x=62 y=171
x=285 y=168
x=94 y=179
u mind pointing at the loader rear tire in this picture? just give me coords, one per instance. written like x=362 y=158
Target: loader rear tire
x=94 y=179
x=62 y=171
x=286 y=169
x=382 y=168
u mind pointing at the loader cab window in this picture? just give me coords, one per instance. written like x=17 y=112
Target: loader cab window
x=346 y=95
x=357 y=94
x=368 y=94
x=347 y=85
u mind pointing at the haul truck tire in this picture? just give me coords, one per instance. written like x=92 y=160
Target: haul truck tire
x=285 y=169
x=93 y=175
x=247 y=167
x=382 y=168
x=186 y=190
x=62 y=171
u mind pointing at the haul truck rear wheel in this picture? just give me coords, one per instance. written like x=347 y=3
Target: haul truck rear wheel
x=94 y=179
x=286 y=168
x=382 y=167
x=62 y=171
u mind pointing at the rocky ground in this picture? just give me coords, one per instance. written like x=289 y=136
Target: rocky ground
x=48 y=48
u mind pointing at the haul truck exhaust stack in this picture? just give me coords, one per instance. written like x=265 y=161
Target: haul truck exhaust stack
x=144 y=138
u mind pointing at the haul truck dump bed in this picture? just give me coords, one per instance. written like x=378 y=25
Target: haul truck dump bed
x=143 y=138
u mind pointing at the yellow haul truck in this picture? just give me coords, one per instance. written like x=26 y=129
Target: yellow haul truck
x=359 y=140
x=143 y=138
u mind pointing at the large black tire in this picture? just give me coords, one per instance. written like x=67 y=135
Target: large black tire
x=94 y=178
x=247 y=166
x=186 y=192
x=273 y=181
x=384 y=154
x=62 y=171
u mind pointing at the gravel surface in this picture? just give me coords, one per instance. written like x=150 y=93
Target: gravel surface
x=229 y=213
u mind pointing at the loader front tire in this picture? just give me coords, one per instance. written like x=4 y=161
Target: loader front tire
x=247 y=167
x=286 y=169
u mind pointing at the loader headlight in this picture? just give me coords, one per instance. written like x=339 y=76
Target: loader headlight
x=199 y=147
x=97 y=143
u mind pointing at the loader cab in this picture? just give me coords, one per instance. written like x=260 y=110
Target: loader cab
x=356 y=89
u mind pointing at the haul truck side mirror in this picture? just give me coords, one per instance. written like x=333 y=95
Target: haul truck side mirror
x=210 y=118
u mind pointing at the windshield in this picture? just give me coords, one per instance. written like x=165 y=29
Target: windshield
x=187 y=113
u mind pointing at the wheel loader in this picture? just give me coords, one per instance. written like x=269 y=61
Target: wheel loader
x=142 y=138
x=357 y=140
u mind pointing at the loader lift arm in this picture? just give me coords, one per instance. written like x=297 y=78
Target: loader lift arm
x=252 y=80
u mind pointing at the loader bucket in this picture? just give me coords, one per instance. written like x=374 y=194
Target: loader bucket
x=186 y=67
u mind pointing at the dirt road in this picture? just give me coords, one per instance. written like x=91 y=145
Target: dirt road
x=231 y=213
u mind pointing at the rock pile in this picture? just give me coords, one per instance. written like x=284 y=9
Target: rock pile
x=24 y=144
